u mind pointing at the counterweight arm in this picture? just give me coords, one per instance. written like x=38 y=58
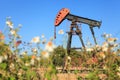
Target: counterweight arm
x=79 y=19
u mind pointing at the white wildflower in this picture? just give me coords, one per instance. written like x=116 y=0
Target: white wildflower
x=38 y=58
x=27 y=64
x=49 y=46
x=34 y=50
x=45 y=54
x=9 y=24
x=115 y=45
x=111 y=40
x=106 y=35
x=20 y=25
x=105 y=44
x=118 y=74
x=1 y=59
x=118 y=69
x=61 y=32
x=104 y=49
x=36 y=39
x=32 y=61
x=24 y=53
x=52 y=38
x=5 y=57
x=89 y=49
x=18 y=60
x=89 y=43
x=102 y=55
x=69 y=58
x=42 y=36
x=12 y=66
x=13 y=32
x=44 y=41
x=20 y=72
x=97 y=47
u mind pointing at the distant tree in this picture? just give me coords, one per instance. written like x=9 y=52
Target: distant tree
x=76 y=58
x=58 y=56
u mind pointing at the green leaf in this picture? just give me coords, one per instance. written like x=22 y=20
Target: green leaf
x=3 y=66
x=92 y=76
x=25 y=68
x=11 y=78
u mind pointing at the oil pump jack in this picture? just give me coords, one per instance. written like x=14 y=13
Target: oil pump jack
x=63 y=14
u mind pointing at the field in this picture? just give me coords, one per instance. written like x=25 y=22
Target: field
x=29 y=61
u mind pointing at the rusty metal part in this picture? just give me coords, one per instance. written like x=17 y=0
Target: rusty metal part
x=61 y=16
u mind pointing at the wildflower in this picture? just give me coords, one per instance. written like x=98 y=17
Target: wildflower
x=106 y=35
x=24 y=53
x=36 y=39
x=18 y=60
x=19 y=37
x=34 y=50
x=45 y=54
x=118 y=74
x=20 y=72
x=61 y=32
x=9 y=24
x=102 y=76
x=27 y=64
x=44 y=41
x=115 y=45
x=2 y=37
x=118 y=69
x=13 y=32
x=49 y=46
x=114 y=52
x=52 y=38
x=105 y=67
x=111 y=40
x=12 y=66
x=5 y=57
x=43 y=36
x=102 y=55
x=69 y=59
x=1 y=59
x=89 y=43
x=98 y=48
x=19 y=25
x=38 y=58
x=104 y=49
x=32 y=61
x=33 y=56
x=105 y=44
x=89 y=49
x=18 y=43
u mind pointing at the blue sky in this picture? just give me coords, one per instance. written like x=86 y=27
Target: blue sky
x=37 y=17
